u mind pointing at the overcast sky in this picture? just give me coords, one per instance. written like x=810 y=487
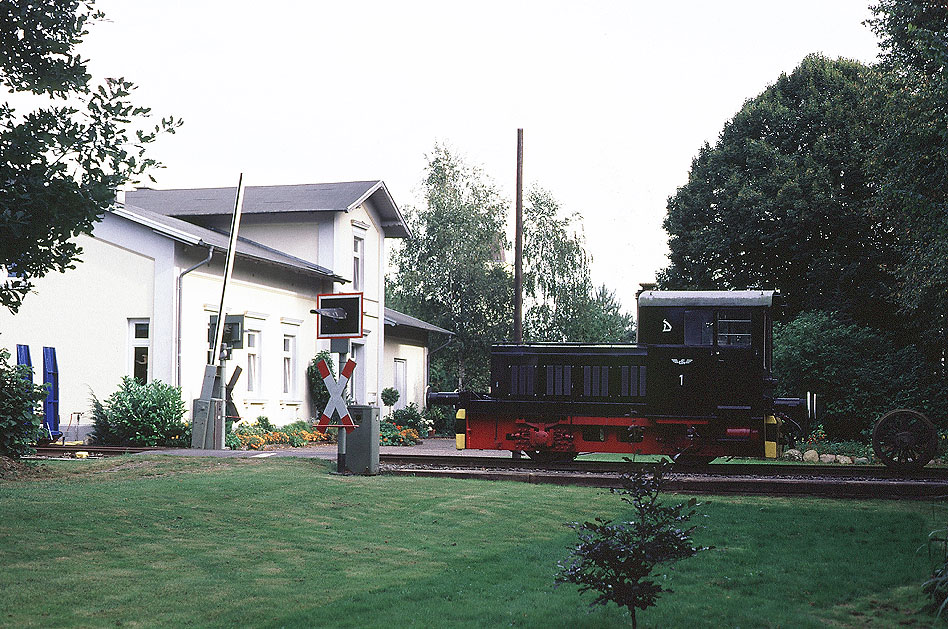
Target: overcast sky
x=615 y=98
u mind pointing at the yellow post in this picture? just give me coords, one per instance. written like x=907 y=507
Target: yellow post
x=771 y=432
x=459 y=437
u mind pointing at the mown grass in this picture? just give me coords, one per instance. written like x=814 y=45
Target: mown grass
x=164 y=541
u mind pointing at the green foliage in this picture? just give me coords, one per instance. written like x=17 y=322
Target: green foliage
x=391 y=434
x=783 y=199
x=63 y=160
x=857 y=373
x=140 y=415
x=451 y=272
x=936 y=587
x=617 y=560
x=317 y=388
x=19 y=413
x=911 y=163
x=440 y=418
x=561 y=302
x=390 y=395
x=411 y=417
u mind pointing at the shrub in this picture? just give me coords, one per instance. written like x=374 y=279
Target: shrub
x=440 y=418
x=936 y=587
x=411 y=417
x=858 y=373
x=140 y=415
x=317 y=388
x=390 y=395
x=260 y=433
x=397 y=435
x=617 y=560
x=19 y=418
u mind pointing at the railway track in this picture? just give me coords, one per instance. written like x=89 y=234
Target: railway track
x=771 y=479
x=837 y=481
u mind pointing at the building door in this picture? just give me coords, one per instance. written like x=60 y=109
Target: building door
x=401 y=382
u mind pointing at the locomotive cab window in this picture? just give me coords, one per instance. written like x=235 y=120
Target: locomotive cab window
x=699 y=327
x=734 y=327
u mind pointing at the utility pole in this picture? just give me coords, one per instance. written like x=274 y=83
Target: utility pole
x=518 y=246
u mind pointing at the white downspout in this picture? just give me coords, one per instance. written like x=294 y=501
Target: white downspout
x=207 y=260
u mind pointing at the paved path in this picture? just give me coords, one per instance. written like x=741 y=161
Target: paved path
x=435 y=446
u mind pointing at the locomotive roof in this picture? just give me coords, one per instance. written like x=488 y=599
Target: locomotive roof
x=744 y=298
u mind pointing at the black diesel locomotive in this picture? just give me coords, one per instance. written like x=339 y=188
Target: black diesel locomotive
x=698 y=385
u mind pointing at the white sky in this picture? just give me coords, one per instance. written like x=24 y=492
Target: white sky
x=615 y=98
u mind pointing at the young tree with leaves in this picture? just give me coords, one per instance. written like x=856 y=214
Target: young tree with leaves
x=451 y=272
x=62 y=160
x=562 y=303
x=618 y=560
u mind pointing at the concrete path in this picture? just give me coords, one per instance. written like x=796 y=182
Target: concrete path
x=434 y=446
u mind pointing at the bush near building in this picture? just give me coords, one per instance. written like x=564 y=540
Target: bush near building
x=19 y=416
x=141 y=415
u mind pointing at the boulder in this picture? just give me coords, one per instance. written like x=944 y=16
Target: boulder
x=811 y=456
x=793 y=455
x=845 y=460
x=827 y=458
x=861 y=460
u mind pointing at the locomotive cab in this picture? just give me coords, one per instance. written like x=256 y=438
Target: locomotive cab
x=709 y=352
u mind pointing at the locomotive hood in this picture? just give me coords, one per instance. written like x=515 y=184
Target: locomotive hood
x=738 y=298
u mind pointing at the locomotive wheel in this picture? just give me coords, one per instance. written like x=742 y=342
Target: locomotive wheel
x=904 y=439
x=545 y=456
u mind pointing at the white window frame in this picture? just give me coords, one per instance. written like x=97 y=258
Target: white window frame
x=135 y=343
x=358 y=262
x=289 y=366
x=253 y=361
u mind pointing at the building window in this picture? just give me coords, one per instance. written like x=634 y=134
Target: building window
x=253 y=361
x=139 y=331
x=289 y=365
x=401 y=382
x=358 y=264
x=734 y=328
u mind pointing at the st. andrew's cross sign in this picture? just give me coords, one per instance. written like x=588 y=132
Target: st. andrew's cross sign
x=337 y=402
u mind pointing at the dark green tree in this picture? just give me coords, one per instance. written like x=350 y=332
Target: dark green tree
x=452 y=273
x=858 y=373
x=784 y=199
x=911 y=161
x=63 y=158
x=561 y=301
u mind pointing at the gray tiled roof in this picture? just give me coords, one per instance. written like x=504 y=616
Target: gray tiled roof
x=395 y=318
x=311 y=197
x=188 y=233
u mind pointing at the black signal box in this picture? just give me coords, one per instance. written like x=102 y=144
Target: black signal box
x=339 y=315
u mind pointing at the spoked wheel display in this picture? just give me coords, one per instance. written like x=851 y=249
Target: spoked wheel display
x=904 y=439
x=545 y=456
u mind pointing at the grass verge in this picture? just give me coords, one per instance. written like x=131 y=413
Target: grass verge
x=165 y=541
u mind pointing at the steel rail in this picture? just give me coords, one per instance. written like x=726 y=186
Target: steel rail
x=776 y=470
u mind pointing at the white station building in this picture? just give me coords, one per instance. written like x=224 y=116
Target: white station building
x=140 y=302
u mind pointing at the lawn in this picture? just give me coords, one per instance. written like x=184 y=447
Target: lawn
x=166 y=541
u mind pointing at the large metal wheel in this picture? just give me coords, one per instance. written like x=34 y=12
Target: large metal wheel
x=904 y=439
x=546 y=456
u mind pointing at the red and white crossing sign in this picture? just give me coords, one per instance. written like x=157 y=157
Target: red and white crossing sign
x=337 y=402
